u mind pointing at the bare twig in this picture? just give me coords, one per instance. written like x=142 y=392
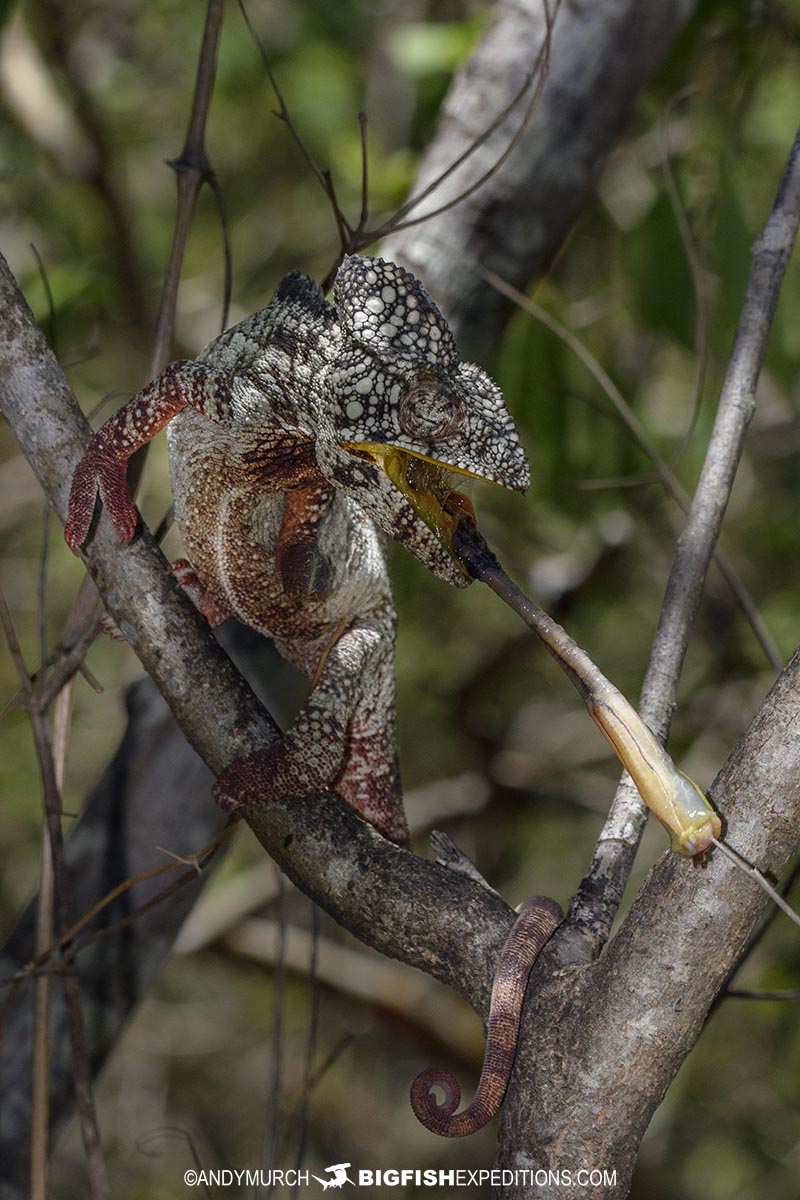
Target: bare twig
x=41 y=986
x=753 y=994
x=758 y=876
x=538 y=76
x=272 y=1138
x=311 y=1047
x=197 y=863
x=352 y=239
x=687 y=240
x=192 y=168
x=81 y=1066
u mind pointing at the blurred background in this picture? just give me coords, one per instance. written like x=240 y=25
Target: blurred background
x=95 y=99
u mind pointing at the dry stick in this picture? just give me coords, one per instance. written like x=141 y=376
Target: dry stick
x=741 y=862
x=41 y=986
x=271 y=1140
x=44 y=911
x=311 y=1048
x=669 y=794
x=639 y=434
x=754 y=938
x=192 y=169
x=674 y=798
x=541 y=68
x=81 y=1065
x=353 y=239
x=601 y=890
x=687 y=241
x=198 y=861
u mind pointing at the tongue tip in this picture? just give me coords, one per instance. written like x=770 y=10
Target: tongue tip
x=462 y=502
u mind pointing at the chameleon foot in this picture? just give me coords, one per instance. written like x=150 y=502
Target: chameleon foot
x=190 y=582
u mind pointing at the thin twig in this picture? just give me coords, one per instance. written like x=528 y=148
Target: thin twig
x=41 y=987
x=353 y=239
x=283 y=113
x=193 y=169
x=311 y=1048
x=759 y=931
x=687 y=240
x=364 y=214
x=198 y=861
x=739 y=861
x=753 y=994
x=278 y=1013
x=51 y=304
x=81 y=1065
x=540 y=69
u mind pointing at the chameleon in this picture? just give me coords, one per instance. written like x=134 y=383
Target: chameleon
x=298 y=441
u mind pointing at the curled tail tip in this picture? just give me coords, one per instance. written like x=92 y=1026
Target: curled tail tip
x=427 y=1109
x=442 y=1118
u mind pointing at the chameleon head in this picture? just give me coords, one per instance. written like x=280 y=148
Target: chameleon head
x=405 y=418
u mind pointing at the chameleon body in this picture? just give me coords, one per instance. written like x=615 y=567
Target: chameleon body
x=297 y=439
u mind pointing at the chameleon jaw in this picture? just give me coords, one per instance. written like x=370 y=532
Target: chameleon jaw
x=426 y=484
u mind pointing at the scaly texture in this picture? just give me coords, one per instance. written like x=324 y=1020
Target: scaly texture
x=296 y=439
x=538 y=920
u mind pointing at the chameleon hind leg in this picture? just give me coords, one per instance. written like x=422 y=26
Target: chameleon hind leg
x=341 y=740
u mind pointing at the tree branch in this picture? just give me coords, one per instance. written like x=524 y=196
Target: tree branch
x=603 y=1041
x=516 y=222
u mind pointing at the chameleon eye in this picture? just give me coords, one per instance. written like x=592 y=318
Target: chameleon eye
x=429 y=411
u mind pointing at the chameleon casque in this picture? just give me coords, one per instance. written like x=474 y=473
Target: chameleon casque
x=296 y=440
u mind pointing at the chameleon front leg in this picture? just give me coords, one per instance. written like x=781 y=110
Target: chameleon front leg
x=341 y=740
x=104 y=465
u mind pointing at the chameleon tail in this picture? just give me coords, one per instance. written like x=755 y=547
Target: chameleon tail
x=538 y=920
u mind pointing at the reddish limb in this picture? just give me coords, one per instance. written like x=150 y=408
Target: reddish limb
x=341 y=740
x=203 y=601
x=103 y=466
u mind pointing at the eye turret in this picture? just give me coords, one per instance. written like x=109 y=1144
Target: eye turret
x=429 y=411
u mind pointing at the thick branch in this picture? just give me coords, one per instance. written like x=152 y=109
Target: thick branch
x=603 y=1042
x=602 y=56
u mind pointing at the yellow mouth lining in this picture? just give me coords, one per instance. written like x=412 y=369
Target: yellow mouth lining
x=426 y=485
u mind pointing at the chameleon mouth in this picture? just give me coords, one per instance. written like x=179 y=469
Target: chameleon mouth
x=426 y=484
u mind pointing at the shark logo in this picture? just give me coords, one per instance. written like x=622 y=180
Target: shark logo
x=339 y=1177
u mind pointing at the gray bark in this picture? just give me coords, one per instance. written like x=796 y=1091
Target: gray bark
x=602 y=1042
x=514 y=224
